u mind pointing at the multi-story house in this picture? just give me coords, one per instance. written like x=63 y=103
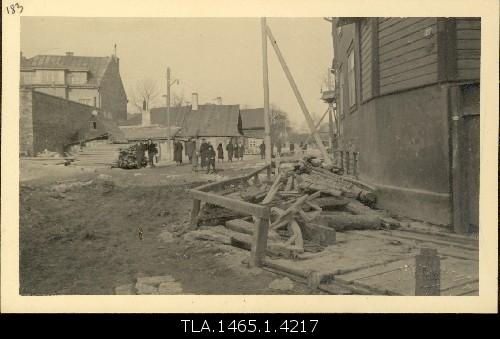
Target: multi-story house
x=408 y=100
x=93 y=81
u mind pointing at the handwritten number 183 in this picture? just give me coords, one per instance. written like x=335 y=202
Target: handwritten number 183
x=12 y=8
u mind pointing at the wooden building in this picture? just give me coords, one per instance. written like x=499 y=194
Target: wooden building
x=408 y=101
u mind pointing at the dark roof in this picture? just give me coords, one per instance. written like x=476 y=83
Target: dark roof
x=95 y=65
x=252 y=118
x=207 y=121
x=147 y=132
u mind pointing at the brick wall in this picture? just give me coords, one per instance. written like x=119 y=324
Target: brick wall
x=25 y=123
x=49 y=122
x=113 y=96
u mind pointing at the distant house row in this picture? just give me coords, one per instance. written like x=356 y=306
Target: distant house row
x=63 y=94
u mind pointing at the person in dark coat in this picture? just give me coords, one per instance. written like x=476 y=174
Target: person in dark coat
x=229 y=149
x=220 y=153
x=279 y=149
x=178 y=153
x=190 y=148
x=210 y=158
x=139 y=154
x=241 y=150
x=203 y=152
x=292 y=148
x=262 y=150
x=236 y=151
x=152 y=151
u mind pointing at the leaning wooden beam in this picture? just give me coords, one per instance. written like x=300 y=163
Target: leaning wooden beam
x=272 y=191
x=318 y=124
x=296 y=91
x=235 y=205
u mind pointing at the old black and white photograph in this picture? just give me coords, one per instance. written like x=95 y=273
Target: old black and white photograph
x=267 y=155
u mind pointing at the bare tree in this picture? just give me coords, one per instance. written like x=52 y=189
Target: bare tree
x=147 y=91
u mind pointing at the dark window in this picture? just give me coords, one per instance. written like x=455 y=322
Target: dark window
x=93 y=125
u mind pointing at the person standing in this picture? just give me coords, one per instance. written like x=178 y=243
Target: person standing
x=178 y=153
x=279 y=149
x=236 y=151
x=139 y=154
x=152 y=151
x=292 y=148
x=241 y=150
x=189 y=149
x=229 y=149
x=262 y=147
x=203 y=152
x=220 y=152
x=210 y=158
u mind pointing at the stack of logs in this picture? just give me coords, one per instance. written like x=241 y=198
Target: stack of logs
x=309 y=202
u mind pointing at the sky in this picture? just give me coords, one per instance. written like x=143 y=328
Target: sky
x=211 y=56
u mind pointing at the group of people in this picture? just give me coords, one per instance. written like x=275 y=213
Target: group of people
x=141 y=148
x=233 y=151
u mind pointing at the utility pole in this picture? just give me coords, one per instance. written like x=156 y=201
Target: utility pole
x=169 y=84
x=265 y=80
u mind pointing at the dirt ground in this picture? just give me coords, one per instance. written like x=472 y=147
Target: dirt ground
x=79 y=232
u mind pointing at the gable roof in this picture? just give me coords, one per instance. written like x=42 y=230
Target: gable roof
x=207 y=121
x=154 y=132
x=252 y=118
x=95 y=65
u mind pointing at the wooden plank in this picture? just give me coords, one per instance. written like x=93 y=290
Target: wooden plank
x=404 y=68
x=407 y=41
x=408 y=74
x=428 y=45
x=468 y=64
x=259 y=241
x=235 y=205
x=412 y=29
x=409 y=83
x=388 y=22
x=469 y=34
x=468 y=24
x=403 y=27
x=194 y=213
x=468 y=74
x=468 y=44
x=468 y=54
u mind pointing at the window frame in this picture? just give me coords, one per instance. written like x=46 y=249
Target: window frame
x=351 y=90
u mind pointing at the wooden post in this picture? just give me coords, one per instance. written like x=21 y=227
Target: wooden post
x=194 y=213
x=259 y=242
x=427 y=273
x=295 y=89
x=265 y=82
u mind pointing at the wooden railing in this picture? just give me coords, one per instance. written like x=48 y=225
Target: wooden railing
x=261 y=214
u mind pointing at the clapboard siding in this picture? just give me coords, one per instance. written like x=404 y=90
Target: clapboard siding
x=366 y=60
x=407 y=58
x=468 y=48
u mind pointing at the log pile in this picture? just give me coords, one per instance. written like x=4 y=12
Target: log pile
x=309 y=202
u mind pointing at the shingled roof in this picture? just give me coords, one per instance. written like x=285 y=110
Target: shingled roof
x=206 y=121
x=252 y=118
x=95 y=65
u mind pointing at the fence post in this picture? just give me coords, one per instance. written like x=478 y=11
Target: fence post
x=259 y=242
x=355 y=164
x=348 y=163
x=342 y=161
x=427 y=272
x=194 y=213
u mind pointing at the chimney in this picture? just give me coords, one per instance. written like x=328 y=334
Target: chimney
x=194 y=102
x=218 y=101
x=69 y=53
